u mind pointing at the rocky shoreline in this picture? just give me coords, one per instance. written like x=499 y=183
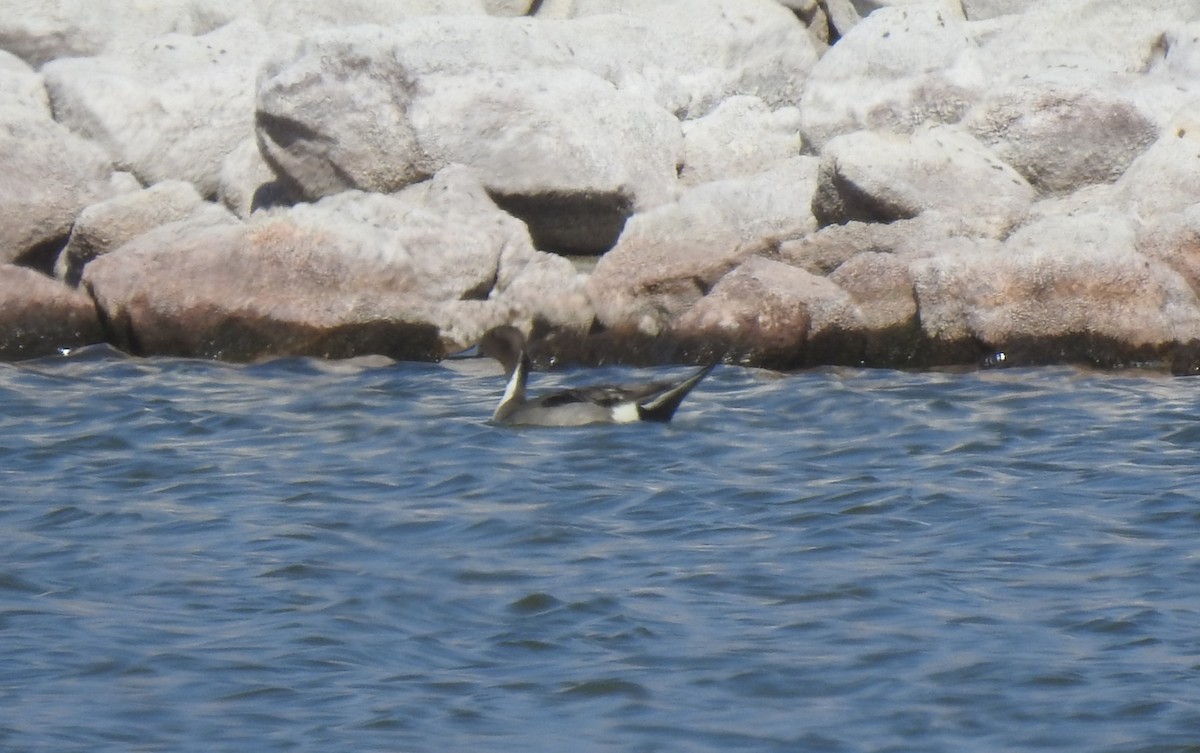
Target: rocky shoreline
x=776 y=183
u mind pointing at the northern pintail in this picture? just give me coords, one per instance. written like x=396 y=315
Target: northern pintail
x=655 y=401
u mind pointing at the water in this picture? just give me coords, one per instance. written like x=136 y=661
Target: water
x=309 y=556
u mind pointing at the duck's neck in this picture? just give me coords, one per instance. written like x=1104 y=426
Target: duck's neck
x=514 y=391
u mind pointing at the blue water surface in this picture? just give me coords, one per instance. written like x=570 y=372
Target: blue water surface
x=346 y=556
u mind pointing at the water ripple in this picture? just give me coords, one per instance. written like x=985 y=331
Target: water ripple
x=305 y=555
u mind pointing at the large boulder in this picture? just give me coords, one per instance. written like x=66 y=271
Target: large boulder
x=40 y=316
x=104 y=226
x=172 y=109
x=768 y=312
x=1065 y=288
x=406 y=276
x=1062 y=138
x=899 y=69
x=565 y=151
x=883 y=177
x=47 y=175
x=670 y=257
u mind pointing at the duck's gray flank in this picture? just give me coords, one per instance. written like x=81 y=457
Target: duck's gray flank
x=654 y=401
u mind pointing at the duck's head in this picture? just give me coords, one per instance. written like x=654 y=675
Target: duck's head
x=506 y=344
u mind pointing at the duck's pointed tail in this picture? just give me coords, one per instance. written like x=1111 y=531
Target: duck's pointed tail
x=661 y=407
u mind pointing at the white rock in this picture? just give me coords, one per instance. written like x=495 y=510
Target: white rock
x=885 y=177
x=306 y=16
x=898 y=69
x=171 y=110
x=21 y=87
x=47 y=175
x=742 y=136
x=43 y=30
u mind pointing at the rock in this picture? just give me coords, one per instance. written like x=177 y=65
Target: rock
x=881 y=287
x=1166 y=177
x=104 y=226
x=740 y=137
x=565 y=151
x=767 y=312
x=1094 y=37
x=1181 y=58
x=1061 y=139
x=842 y=15
x=511 y=7
x=49 y=175
x=898 y=69
x=886 y=177
x=307 y=17
x=669 y=257
x=40 y=32
x=247 y=182
x=1174 y=240
x=21 y=87
x=691 y=55
x=172 y=110
x=41 y=316
x=1060 y=290
x=406 y=276
x=980 y=10
x=832 y=246
x=559 y=118
x=562 y=148
x=813 y=15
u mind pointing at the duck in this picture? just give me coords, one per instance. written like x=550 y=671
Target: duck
x=597 y=404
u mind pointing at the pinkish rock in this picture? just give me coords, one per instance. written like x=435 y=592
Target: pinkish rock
x=105 y=226
x=408 y=276
x=669 y=257
x=40 y=316
x=767 y=312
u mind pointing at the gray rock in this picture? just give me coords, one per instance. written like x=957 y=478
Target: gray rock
x=1061 y=139
x=171 y=111
x=558 y=117
x=41 y=316
x=1174 y=239
x=103 y=227
x=886 y=177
